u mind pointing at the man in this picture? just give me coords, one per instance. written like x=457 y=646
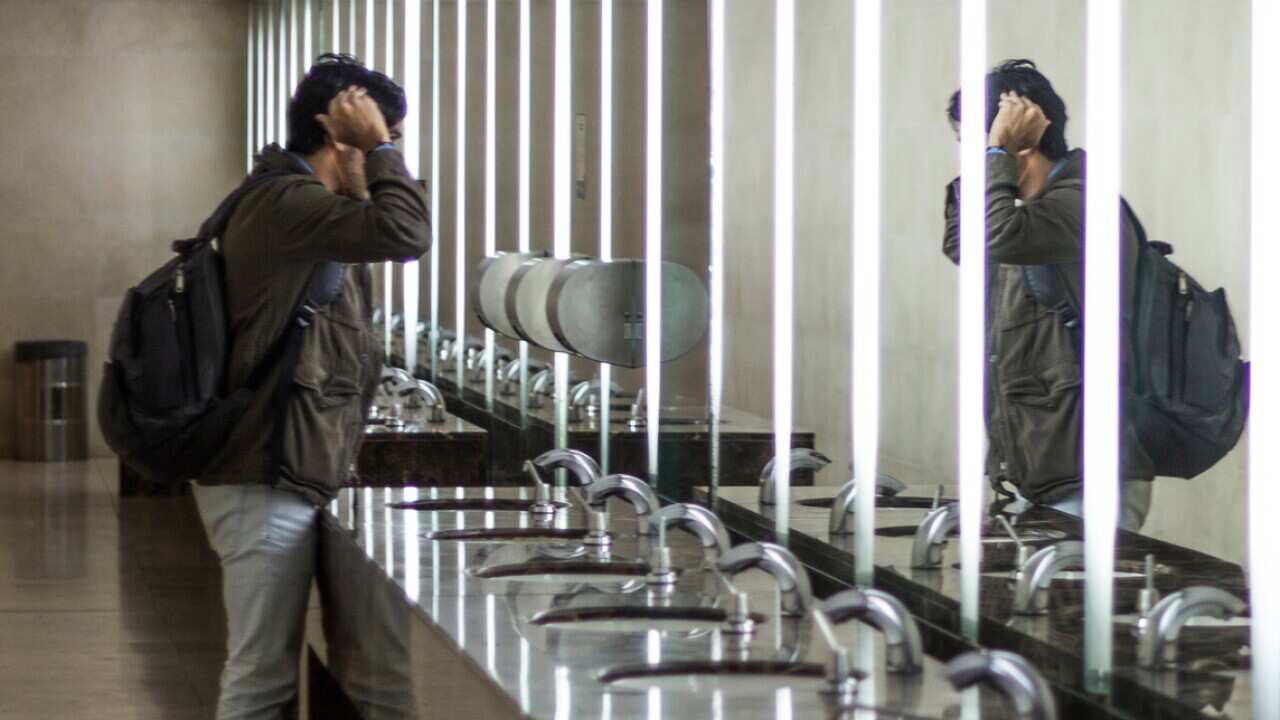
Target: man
x=1035 y=207
x=342 y=198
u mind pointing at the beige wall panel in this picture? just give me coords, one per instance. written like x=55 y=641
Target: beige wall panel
x=126 y=120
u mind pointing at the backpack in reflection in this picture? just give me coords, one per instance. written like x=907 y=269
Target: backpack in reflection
x=1186 y=395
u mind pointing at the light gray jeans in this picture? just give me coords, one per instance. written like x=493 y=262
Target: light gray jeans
x=266 y=540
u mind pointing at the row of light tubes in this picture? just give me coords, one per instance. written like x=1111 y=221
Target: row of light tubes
x=1102 y=270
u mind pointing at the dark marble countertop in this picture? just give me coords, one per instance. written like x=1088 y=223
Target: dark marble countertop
x=1205 y=686
x=453 y=426
x=733 y=421
x=553 y=673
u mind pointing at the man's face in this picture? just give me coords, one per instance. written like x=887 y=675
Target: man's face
x=397 y=131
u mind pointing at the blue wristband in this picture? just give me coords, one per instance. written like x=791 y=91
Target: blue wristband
x=383 y=146
x=997 y=151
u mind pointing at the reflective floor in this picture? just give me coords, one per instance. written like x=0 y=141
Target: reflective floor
x=109 y=606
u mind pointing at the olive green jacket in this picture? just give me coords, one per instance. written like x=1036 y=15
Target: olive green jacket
x=1033 y=371
x=280 y=232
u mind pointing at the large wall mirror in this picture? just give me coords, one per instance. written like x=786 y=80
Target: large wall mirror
x=800 y=160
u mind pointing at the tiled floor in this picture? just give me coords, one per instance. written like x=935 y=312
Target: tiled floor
x=109 y=606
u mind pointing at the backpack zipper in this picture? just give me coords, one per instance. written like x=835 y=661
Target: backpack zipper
x=185 y=344
x=1185 y=292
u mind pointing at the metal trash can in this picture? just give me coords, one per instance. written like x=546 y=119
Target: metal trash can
x=52 y=404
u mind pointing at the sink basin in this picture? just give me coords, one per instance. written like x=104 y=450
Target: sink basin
x=508 y=535
x=882 y=503
x=464 y=504
x=565 y=572
x=734 y=678
x=636 y=619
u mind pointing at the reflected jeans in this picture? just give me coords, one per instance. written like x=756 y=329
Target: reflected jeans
x=1135 y=501
x=266 y=540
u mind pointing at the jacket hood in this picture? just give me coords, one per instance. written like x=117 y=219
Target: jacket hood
x=274 y=158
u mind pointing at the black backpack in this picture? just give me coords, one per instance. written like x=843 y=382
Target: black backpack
x=1186 y=395
x=162 y=405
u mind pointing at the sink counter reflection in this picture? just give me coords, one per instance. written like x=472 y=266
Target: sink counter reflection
x=402 y=611
x=1210 y=680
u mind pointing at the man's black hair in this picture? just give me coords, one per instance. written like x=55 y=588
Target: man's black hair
x=1022 y=77
x=330 y=75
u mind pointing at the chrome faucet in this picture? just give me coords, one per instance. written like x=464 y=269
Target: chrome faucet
x=842 y=676
x=394 y=378
x=1034 y=577
x=841 y=521
x=580 y=398
x=791 y=576
x=543 y=506
x=931 y=536
x=801 y=459
x=507 y=375
x=580 y=465
x=1012 y=675
x=638 y=409
x=884 y=612
x=692 y=518
x=422 y=394
x=1159 y=628
x=478 y=364
x=538 y=386
x=629 y=488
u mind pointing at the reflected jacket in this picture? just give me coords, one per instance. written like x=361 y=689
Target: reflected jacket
x=1033 y=367
x=280 y=232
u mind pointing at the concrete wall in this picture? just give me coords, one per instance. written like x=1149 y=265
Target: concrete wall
x=124 y=124
x=1185 y=166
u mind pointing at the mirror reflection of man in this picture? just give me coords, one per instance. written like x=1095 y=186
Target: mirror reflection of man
x=1035 y=211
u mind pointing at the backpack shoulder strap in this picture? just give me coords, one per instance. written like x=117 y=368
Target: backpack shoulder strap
x=323 y=288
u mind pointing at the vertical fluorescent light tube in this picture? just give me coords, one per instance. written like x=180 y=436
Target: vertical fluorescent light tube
x=369 y=50
x=523 y=153
x=250 y=92
x=606 y=200
x=282 y=92
x=335 y=29
x=388 y=268
x=460 y=194
x=1102 y=287
x=653 y=230
x=293 y=44
x=307 y=57
x=865 y=332
x=783 y=254
x=351 y=27
x=434 y=260
x=562 y=185
x=971 y=419
x=260 y=91
x=413 y=161
x=490 y=169
x=269 y=96
x=715 y=359
x=1264 y=456
x=389 y=37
